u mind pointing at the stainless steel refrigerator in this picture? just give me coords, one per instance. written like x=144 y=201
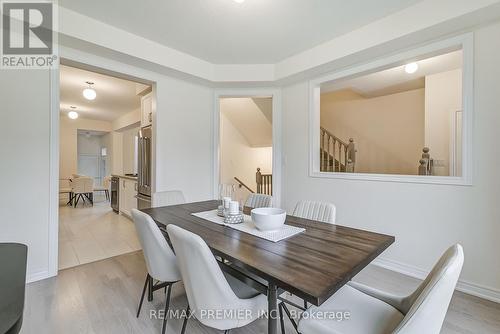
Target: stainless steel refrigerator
x=144 y=168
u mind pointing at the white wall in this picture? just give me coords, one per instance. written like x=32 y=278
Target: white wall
x=92 y=145
x=239 y=159
x=443 y=96
x=120 y=144
x=68 y=143
x=116 y=152
x=184 y=115
x=131 y=118
x=425 y=218
x=388 y=130
x=252 y=117
x=184 y=140
x=108 y=143
x=129 y=153
x=24 y=148
x=183 y=120
x=89 y=145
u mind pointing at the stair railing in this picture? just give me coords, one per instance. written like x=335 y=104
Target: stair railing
x=336 y=155
x=241 y=184
x=264 y=183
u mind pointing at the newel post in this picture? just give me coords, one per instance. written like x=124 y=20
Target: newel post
x=422 y=169
x=349 y=166
x=426 y=154
x=351 y=154
x=426 y=163
x=258 y=180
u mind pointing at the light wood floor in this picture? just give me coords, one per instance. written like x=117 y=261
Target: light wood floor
x=91 y=233
x=101 y=297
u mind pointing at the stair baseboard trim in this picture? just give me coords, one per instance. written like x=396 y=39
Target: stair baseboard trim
x=462 y=286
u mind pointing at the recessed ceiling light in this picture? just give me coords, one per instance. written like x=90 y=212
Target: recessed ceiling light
x=411 y=68
x=239 y=1
x=73 y=115
x=89 y=93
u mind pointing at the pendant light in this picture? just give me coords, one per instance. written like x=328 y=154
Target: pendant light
x=89 y=93
x=73 y=114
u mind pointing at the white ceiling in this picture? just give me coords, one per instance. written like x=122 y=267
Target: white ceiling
x=394 y=80
x=225 y=32
x=115 y=97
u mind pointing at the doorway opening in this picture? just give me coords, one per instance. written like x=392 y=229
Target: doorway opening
x=92 y=156
x=100 y=116
x=246 y=145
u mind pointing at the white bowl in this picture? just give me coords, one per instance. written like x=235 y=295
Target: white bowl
x=268 y=219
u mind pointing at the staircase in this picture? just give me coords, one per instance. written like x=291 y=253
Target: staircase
x=264 y=183
x=329 y=164
x=335 y=154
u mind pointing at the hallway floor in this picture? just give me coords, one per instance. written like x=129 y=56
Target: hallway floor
x=91 y=233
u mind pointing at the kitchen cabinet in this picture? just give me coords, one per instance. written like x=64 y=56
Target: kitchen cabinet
x=128 y=191
x=147 y=110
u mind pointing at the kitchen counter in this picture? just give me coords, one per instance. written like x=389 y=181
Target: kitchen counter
x=128 y=177
x=126 y=193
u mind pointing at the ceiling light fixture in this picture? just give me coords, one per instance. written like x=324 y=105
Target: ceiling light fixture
x=89 y=93
x=239 y=1
x=411 y=68
x=73 y=114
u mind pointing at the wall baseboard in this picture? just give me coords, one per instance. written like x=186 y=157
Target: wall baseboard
x=463 y=286
x=37 y=276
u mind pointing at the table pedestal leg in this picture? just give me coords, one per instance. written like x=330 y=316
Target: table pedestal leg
x=272 y=307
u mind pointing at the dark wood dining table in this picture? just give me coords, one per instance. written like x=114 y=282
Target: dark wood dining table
x=312 y=265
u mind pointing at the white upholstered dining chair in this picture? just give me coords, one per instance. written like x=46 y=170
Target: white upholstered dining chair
x=65 y=188
x=82 y=187
x=106 y=183
x=376 y=312
x=208 y=289
x=259 y=201
x=160 y=260
x=321 y=211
